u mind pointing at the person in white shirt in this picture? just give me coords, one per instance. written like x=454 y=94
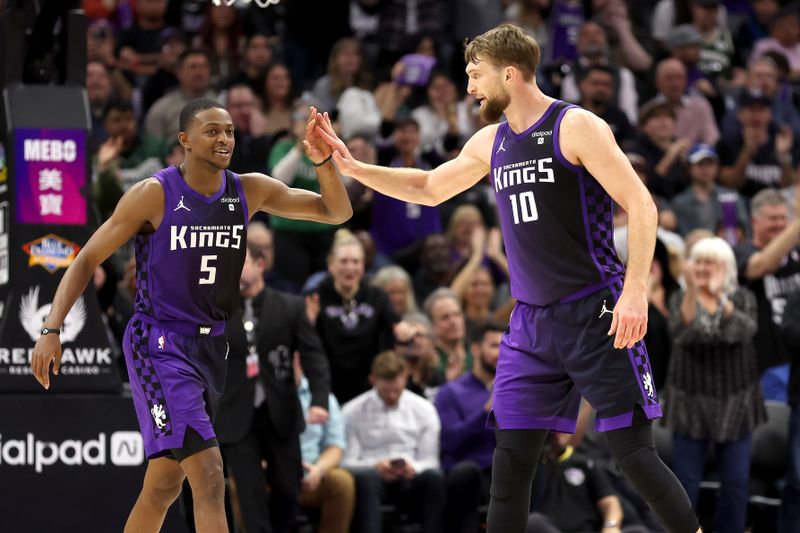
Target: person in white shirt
x=393 y=449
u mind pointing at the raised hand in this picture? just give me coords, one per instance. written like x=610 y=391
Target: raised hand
x=317 y=149
x=345 y=162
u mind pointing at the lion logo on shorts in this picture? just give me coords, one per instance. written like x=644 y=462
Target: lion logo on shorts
x=159 y=415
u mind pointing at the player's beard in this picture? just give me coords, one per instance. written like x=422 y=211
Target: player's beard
x=494 y=107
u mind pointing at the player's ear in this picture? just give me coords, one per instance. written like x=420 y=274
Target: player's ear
x=508 y=73
x=183 y=138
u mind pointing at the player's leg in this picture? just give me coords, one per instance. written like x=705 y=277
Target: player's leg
x=204 y=470
x=162 y=485
x=619 y=385
x=516 y=456
x=532 y=395
x=635 y=452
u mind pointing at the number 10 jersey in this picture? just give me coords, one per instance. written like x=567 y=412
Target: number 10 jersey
x=556 y=219
x=188 y=270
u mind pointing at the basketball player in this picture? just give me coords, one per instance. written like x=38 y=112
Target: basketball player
x=190 y=227
x=555 y=169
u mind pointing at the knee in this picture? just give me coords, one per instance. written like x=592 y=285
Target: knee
x=433 y=479
x=161 y=493
x=340 y=482
x=208 y=483
x=367 y=479
x=465 y=476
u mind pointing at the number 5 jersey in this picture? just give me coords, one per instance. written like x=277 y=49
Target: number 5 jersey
x=188 y=270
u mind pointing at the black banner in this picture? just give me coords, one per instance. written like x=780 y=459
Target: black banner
x=70 y=463
x=44 y=222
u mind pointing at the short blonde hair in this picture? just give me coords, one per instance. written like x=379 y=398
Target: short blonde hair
x=391 y=273
x=344 y=237
x=506 y=45
x=719 y=251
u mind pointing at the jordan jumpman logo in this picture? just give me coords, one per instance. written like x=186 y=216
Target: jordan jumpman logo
x=181 y=206
x=605 y=310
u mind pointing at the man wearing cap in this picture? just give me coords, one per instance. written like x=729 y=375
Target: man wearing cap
x=684 y=43
x=704 y=204
x=761 y=154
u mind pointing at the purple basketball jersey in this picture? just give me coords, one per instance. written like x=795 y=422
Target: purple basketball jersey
x=565 y=21
x=188 y=270
x=557 y=220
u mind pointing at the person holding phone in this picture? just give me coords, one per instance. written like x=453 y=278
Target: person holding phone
x=393 y=449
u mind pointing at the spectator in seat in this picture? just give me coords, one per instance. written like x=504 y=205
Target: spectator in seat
x=393 y=449
x=467 y=444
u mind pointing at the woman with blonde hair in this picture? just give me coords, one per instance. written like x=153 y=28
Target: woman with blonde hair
x=713 y=392
x=397 y=285
x=354 y=320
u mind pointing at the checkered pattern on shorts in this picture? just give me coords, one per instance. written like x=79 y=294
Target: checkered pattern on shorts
x=641 y=360
x=143 y=302
x=600 y=213
x=147 y=377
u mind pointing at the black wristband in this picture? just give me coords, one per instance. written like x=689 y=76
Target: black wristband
x=323 y=161
x=47 y=331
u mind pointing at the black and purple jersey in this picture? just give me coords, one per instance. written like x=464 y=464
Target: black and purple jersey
x=557 y=220
x=188 y=270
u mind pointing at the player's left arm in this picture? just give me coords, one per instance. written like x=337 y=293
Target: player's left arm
x=331 y=205
x=588 y=141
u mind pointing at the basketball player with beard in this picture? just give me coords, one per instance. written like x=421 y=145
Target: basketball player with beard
x=578 y=325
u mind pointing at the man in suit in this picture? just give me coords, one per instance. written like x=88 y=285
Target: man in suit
x=260 y=417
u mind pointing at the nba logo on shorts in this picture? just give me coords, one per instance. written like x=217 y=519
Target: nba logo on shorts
x=127 y=448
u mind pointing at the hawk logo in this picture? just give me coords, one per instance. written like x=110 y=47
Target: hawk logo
x=181 y=206
x=161 y=342
x=32 y=316
x=501 y=148
x=605 y=310
x=159 y=415
x=647 y=383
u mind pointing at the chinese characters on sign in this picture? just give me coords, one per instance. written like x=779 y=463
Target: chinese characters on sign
x=50 y=173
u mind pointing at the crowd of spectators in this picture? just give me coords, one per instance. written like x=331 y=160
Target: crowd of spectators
x=702 y=96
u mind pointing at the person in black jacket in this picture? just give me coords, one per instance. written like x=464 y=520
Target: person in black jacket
x=260 y=417
x=355 y=320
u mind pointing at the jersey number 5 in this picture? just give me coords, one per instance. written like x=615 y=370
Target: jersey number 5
x=523 y=206
x=210 y=271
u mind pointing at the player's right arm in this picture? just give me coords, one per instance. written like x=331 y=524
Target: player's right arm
x=426 y=187
x=141 y=206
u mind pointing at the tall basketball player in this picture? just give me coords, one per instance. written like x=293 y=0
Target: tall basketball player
x=190 y=225
x=576 y=330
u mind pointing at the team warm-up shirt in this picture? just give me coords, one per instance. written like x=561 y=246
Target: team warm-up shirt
x=189 y=268
x=557 y=220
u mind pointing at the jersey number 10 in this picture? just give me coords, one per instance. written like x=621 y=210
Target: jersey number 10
x=523 y=206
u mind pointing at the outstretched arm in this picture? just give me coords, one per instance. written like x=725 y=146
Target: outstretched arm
x=142 y=204
x=331 y=206
x=588 y=140
x=426 y=187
